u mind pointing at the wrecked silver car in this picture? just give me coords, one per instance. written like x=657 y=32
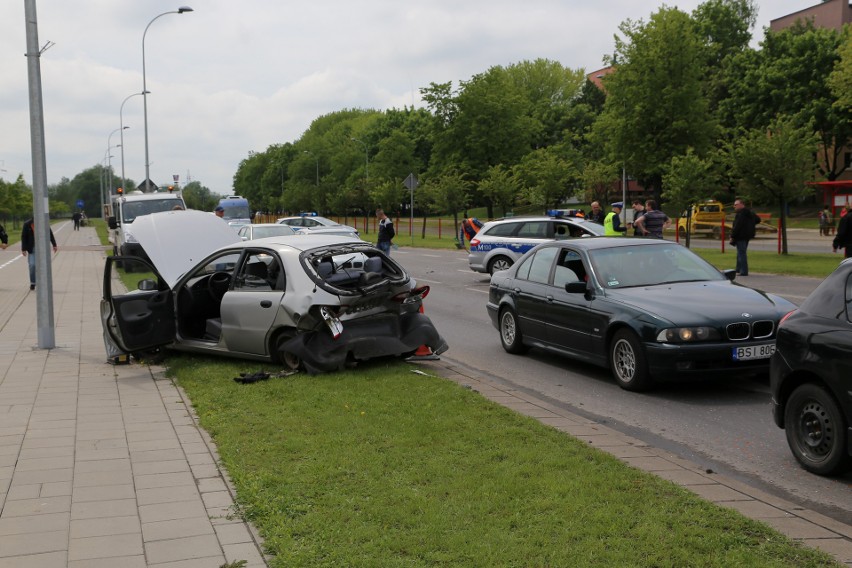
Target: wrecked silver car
x=317 y=302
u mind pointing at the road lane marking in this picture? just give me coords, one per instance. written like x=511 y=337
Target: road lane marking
x=429 y=281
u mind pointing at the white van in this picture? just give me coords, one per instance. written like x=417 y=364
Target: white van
x=124 y=209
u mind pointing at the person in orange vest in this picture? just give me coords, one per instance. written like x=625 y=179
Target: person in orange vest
x=468 y=228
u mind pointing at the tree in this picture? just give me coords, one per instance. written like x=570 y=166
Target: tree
x=448 y=193
x=656 y=107
x=773 y=164
x=499 y=187
x=197 y=196
x=687 y=180
x=840 y=80
x=548 y=175
x=789 y=76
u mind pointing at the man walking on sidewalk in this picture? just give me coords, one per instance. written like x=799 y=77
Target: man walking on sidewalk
x=28 y=248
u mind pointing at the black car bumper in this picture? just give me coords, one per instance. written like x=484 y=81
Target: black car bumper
x=675 y=362
x=366 y=338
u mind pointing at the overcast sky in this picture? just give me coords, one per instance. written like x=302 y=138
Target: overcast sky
x=235 y=76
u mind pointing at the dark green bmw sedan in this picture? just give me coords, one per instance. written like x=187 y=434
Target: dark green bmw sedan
x=649 y=310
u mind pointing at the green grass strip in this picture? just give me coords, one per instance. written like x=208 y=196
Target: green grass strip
x=379 y=466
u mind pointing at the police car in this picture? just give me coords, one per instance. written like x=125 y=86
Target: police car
x=499 y=244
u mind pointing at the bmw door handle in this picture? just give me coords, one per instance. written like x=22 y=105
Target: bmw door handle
x=549 y=299
x=265 y=304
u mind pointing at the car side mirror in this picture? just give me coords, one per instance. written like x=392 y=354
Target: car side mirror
x=730 y=274
x=578 y=287
x=147 y=285
x=113 y=224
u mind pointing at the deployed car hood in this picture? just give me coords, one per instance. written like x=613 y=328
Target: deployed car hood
x=176 y=240
x=702 y=301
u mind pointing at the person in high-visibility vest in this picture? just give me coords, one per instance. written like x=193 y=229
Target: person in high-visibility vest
x=612 y=221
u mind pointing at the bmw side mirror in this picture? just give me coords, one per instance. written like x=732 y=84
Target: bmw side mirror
x=578 y=287
x=730 y=274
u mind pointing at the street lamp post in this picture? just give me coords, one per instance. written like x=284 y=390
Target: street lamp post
x=180 y=10
x=121 y=124
x=103 y=183
x=109 y=145
x=317 y=159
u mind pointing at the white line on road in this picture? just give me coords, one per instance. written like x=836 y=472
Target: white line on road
x=429 y=281
x=476 y=290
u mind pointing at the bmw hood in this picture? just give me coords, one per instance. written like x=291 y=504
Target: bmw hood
x=702 y=302
x=176 y=241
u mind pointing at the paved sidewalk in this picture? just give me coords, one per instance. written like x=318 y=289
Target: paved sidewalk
x=100 y=465
x=811 y=528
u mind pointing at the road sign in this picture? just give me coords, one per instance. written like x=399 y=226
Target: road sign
x=411 y=182
x=79 y=204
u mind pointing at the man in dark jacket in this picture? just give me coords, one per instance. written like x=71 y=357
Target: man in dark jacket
x=843 y=238
x=4 y=237
x=741 y=233
x=386 y=232
x=28 y=248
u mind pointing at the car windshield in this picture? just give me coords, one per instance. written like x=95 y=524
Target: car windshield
x=133 y=209
x=237 y=212
x=649 y=265
x=276 y=231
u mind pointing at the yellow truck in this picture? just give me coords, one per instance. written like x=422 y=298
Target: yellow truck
x=708 y=216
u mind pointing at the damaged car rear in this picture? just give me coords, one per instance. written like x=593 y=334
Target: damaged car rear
x=316 y=302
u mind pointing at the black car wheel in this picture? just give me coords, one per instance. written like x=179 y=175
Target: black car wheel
x=816 y=430
x=499 y=263
x=627 y=361
x=510 y=333
x=285 y=358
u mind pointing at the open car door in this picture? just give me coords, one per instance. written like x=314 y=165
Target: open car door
x=142 y=318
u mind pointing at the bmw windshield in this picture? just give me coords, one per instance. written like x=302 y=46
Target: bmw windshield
x=649 y=265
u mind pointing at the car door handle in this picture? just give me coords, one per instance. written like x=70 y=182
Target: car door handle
x=265 y=304
x=549 y=299
x=516 y=291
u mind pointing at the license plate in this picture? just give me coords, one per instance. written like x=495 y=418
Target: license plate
x=753 y=352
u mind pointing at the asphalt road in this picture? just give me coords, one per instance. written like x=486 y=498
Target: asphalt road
x=724 y=424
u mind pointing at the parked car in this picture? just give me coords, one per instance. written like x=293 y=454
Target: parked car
x=499 y=244
x=342 y=230
x=647 y=309
x=811 y=376
x=311 y=221
x=316 y=302
x=264 y=230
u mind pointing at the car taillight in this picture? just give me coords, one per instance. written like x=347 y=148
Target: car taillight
x=413 y=295
x=788 y=314
x=474 y=242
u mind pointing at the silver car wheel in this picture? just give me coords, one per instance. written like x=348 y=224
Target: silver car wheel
x=507 y=328
x=499 y=263
x=624 y=360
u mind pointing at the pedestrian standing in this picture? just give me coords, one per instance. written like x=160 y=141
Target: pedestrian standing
x=76 y=218
x=638 y=211
x=823 y=222
x=28 y=248
x=4 y=238
x=612 y=221
x=386 y=232
x=653 y=222
x=843 y=238
x=742 y=232
x=597 y=215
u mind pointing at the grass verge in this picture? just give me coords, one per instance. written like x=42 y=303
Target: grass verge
x=380 y=466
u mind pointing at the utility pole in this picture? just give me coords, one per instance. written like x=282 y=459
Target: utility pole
x=41 y=213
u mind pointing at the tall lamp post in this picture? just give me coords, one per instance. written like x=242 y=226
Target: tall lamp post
x=109 y=145
x=121 y=124
x=180 y=10
x=103 y=183
x=317 y=159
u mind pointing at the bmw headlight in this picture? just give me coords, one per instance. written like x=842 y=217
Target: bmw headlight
x=687 y=334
